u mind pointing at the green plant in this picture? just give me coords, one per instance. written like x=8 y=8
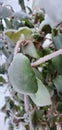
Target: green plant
x=34 y=71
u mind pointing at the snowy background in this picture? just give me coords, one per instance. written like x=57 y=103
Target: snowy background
x=3 y=93
x=15 y=5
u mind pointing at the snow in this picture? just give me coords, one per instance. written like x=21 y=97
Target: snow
x=15 y=4
x=3 y=93
x=3 y=89
x=53 y=10
x=3 y=126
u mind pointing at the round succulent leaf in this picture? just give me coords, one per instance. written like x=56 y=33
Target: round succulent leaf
x=57 y=40
x=21 y=15
x=57 y=63
x=59 y=107
x=58 y=83
x=30 y=50
x=16 y=34
x=5 y=12
x=21 y=96
x=42 y=97
x=21 y=75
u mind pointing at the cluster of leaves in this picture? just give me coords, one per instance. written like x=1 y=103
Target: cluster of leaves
x=43 y=83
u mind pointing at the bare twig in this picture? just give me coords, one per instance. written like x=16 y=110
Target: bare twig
x=46 y=58
x=30 y=120
x=30 y=113
x=19 y=44
x=26 y=101
x=18 y=119
x=41 y=60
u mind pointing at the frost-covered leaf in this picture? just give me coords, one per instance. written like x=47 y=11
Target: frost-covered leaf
x=57 y=64
x=38 y=74
x=5 y=12
x=2 y=1
x=15 y=34
x=21 y=15
x=42 y=97
x=58 y=83
x=8 y=23
x=21 y=96
x=58 y=41
x=30 y=50
x=1 y=43
x=2 y=80
x=36 y=5
x=22 y=4
x=21 y=75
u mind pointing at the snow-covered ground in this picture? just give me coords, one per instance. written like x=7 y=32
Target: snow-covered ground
x=3 y=126
x=3 y=89
x=3 y=93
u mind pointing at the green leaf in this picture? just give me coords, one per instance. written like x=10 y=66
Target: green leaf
x=21 y=96
x=15 y=34
x=29 y=9
x=58 y=83
x=8 y=23
x=5 y=12
x=54 y=32
x=46 y=29
x=60 y=119
x=59 y=107
x=57 y=64
x=1 y=27
x=37 y=36
x=21 y=2
x=2 y=80
x=30 y=50
x=29 y=23
x=38 y=74
x=21 y=75
x=58 y=41
x=42 y=97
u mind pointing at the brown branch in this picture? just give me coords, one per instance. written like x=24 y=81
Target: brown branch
x=41 y=60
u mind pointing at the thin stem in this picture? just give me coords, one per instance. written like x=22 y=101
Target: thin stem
x=41 y=60
x=17 y=47
x=19 y=44
x=30 y=121
x=26 y=101
x=46 y=58
x=30 y=113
